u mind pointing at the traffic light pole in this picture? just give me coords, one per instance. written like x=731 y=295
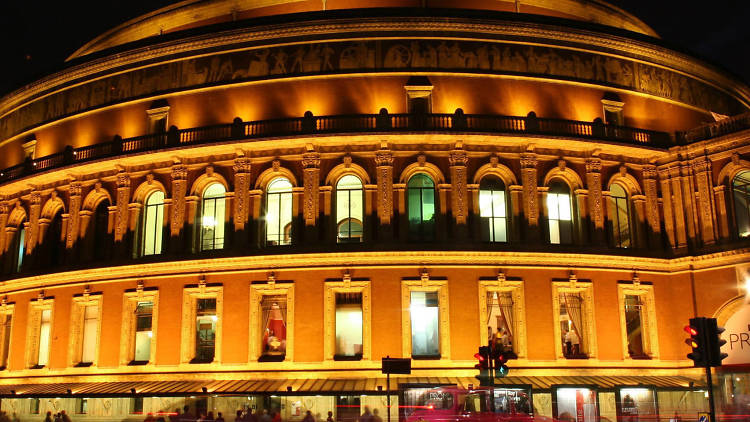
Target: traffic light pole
x=489 y=364
x=711 y=408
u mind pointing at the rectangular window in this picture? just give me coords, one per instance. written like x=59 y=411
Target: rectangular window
x=425 y=336
x=82 y=406
x=5 y=320
x=136 y=405
x=348 y=324
x=34 y=406
x=44 y=337
x=634 y=326
x=90 y=329
x=500 y=328
x=273 y=308
x=572 y=325
x=205 y=326
x=560 y=218
x=143 y=333
x=492 y=211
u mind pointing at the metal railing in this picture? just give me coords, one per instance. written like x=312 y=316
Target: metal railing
x=354 y=123
x=712 y=130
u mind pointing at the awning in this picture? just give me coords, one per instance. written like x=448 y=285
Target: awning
x=316 y=385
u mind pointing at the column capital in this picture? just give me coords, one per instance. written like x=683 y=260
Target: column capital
x=649 y=171
x=528 y=160
x=123 y=180
x=179 y=172
x=311 y=160
x=241 y=165
x=458 y=157
x=593 y=165
x=701 y=164
x=383 y=158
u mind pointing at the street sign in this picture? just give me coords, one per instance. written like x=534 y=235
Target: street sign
x=702 y=417
x=396 y=366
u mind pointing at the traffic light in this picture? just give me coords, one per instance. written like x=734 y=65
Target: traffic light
x=499 y=364
x=483 y=365
x=714 y=342
x=697 y=341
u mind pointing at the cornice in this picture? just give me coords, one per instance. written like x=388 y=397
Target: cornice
x=352 y=29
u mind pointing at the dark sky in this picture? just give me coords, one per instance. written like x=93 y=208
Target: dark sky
x=36 y=36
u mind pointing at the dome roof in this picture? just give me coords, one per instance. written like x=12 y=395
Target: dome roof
x=196 y=13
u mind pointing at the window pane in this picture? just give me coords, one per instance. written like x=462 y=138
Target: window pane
x=425 y=339
x=498 y=203
x=153 y=225
x=552 y=206
x=741 y=196
x=273 y=308
x=279 y=212
x=428 y=204
x=21 y=248
x=205 y=326
x=572 y=325
x=143 y=331
x=90 y=328
x=499 y=234
x=563 y=201
x=348 y=324
x=6 y=321
x=44 y=332
x=485 y=203
x=554 y=232
x=634 y=325
x=500 y=315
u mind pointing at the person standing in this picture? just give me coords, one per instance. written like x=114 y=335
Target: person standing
x=330 y=417
x=48 y=418
x=366 y=415
x=375 y=416
x=276 y=416
x=64 y=416
x=264 y=417
x=219 y=417
x=308 y=417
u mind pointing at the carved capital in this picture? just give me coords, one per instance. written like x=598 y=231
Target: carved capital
x=35 y=198
x=384 y=158
x=701 y=164
x=458 y=157
x=593 y=165
x=311 y=160
x=179 y=172
x=528 y=160
x=649 y=171
x=241 y=165
x=75 y=189
x=123 y=180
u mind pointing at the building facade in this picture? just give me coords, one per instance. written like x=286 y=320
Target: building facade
x=229 y=206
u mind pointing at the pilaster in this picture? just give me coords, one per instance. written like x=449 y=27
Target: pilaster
x=459 y=192
x=72 y=233
x=530 y=195
x=35 y=209
x=595 y=204
x=384 y=164
x=4 y=214
x=701 y=169
x=122 y=201
x=721 y=212
x=311 y=194
x=651 y=206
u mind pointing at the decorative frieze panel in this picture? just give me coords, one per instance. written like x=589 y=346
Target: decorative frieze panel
x=179 y=190
x=530 y=194
x=311 y=197
x=371 y=56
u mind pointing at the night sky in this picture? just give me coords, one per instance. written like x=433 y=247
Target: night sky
x=36 y=36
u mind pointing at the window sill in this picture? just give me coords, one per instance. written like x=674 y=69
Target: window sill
x=138 y=363
x=272 y=358
x=83 y=364
x=640 y=357
x=358 y=356
x=426 y=357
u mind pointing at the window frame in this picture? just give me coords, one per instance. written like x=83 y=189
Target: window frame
x=7 y=309
x=615 y=216
x=158 y=225
x=281 y=237
x=270 y=287
x=515 y=287
x=505 y=219
x=735 y=207
x=339 y=221
x=425 y=284
x=422 y=236
x=347 y=285
x=127 y=337
x=554 y=183
x=218 y=221
x=77 y=320
x=650 y=337
x=586 y=289
x=190 y=296
x=33 y=328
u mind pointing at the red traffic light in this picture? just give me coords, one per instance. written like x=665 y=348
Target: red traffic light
x=479 y=357
x=690 y=330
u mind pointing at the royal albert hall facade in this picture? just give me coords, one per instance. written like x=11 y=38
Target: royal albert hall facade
x=238 y=205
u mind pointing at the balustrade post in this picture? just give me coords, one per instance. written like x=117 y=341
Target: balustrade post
x=173 y=136
x=237 y=128
x=383 y=121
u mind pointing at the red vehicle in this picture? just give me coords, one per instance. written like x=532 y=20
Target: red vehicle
x=484 y=404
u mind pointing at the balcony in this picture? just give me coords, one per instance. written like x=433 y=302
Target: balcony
x=342 y=124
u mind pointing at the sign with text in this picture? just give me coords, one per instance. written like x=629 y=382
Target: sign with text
x=737 y=335
x=396 y=366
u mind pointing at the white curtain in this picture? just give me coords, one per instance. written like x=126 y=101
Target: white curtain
x=573 y=306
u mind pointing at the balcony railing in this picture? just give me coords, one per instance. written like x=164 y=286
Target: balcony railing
x=720 y=128
x=355 y=123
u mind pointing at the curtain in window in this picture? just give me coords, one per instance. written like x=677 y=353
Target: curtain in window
x=274 y=324
x=574 y=309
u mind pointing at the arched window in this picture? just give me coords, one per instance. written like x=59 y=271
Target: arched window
x=100 y=227
x=213 y=212
x=741 y=196
x=560 y=216
x=19 y=247
x=421 y=207
x=349 y=209
x=492 y=210
x=279 y=212
x=620 y=216
x=153 y=224
x=52 y=247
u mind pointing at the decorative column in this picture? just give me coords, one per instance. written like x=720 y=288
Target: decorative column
x=74 y=208
x=298 y=193
x=4 y=214
x=459 y=194
x=33 y=231
x=676 y=204
x=721 y=212
x=595 y=205
x=688 y=202
x=530 y=196
x=241 y=209
x=122 y=215
x=384 y=163
x=701 y=170
x=311 y=194
x=666 y=203
x=580 y=231
x=177 y=211
x=652 y=206
x=638 y=237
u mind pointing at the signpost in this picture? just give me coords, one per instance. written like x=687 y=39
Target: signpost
x=393 y=366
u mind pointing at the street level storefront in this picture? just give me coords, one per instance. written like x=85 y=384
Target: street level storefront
x=575 y=398
x=734 y=376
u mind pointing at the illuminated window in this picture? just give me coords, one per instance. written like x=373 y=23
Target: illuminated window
x=18 y=248
x=90 y=333
x=349 y=209
x=425 y=335
x=741 y=197
x=501 y=326
x=136 y=405
x=492 y=210
x=274 y=317
x=634 y=325
x=279 y=212
x=421 y=207
x=212 y=217
x=143 y=333
x=559 y=215
x=153 y=224
x=205 y=330
x=638 y=320
x=349 y=325
x=620 y=216
x=82 y=406
x=34 y=406
x=45 y=328
x=572 y=325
